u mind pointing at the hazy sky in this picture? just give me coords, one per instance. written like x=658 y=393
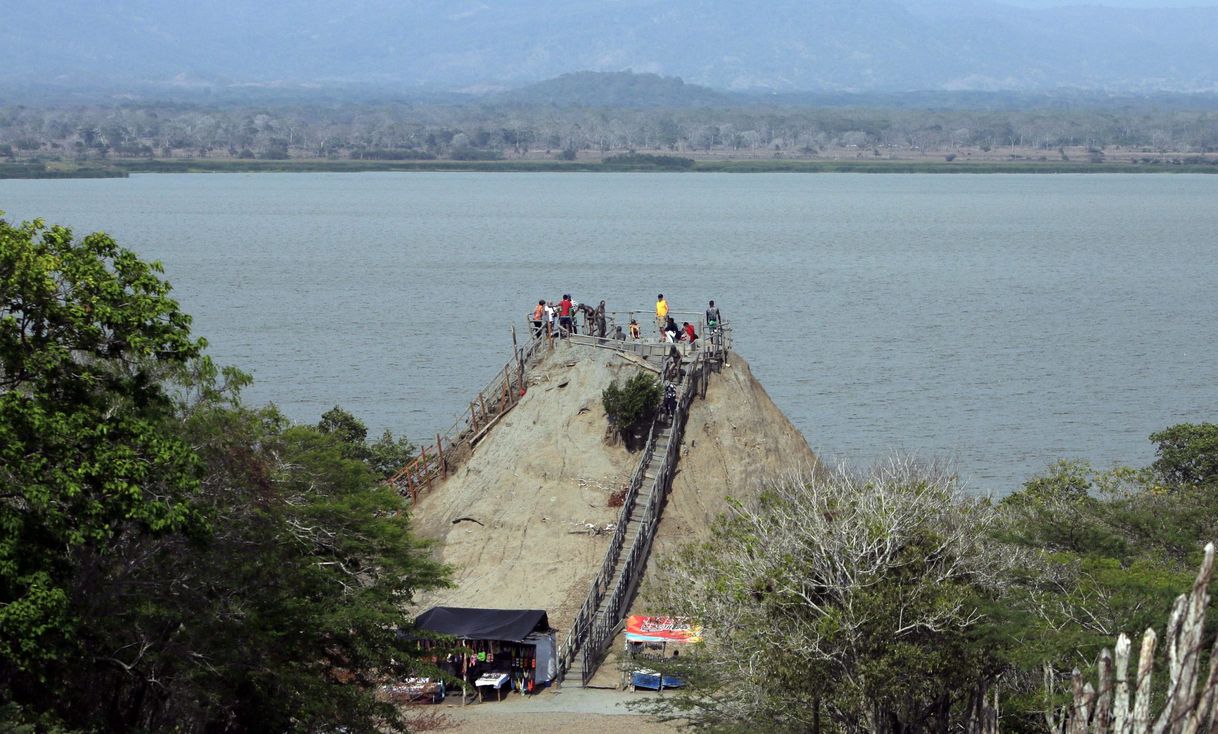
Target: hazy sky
x=1114 y=3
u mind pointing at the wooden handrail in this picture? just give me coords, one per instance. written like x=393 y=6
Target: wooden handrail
x=498 y=397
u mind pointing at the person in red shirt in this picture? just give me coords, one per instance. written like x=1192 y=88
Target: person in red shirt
x=690 y=335
x=564 y=314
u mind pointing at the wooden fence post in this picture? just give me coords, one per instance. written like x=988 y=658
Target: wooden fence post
x=520 y=392
x=423 y=465
x=1120 y=704
x=507 y=387
x=440 y=453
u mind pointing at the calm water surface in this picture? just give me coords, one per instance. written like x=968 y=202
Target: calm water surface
x=1001 y=322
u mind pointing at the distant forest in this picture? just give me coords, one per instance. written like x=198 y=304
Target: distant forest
x=533 y=128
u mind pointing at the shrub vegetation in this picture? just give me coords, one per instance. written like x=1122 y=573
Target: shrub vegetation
x=631 y=404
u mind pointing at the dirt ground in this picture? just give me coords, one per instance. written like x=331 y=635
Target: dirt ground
x=536 y=490
x=735 y=441
x=568 y=711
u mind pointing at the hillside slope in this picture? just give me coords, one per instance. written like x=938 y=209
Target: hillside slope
x=734 y=441
x=543 y=476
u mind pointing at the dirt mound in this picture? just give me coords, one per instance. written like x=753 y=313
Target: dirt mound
x=526 y=520
x=734 y=441
x=536 y=490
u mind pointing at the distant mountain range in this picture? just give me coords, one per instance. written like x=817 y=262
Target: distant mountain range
x=623 y=89
x=616 y=89
x=475 y=46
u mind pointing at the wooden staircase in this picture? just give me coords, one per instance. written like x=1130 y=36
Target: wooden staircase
x=635 y=525
x=614 y=588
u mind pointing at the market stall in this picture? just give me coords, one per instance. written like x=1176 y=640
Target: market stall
x=649 y=638
x=497 y=650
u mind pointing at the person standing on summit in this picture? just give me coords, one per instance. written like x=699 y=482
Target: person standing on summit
x=714 y=325
x=538 y=318
x=661 y=312
x=564 y=314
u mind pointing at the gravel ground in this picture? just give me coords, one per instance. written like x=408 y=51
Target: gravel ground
x=573 y=710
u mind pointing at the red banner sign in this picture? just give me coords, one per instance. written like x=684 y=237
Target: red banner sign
x=662 y=629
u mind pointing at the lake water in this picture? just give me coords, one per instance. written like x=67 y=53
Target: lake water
x=998 y=321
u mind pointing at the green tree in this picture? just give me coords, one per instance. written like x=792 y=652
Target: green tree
x=344 y=426
x=1188 y=454
x=632 y=403
x=302 y=585
x=171 y=559
x=843 y=601
x=384 y=456
x=86 y=331
x=1098 y=553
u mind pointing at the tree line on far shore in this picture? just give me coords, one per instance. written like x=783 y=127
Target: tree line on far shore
x=488 y=131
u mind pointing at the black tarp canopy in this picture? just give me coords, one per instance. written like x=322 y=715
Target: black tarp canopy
x=466 y=623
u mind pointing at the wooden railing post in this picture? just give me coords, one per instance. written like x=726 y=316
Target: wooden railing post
x=520 y=392
x=423 y=465
x=440 y=453
x=507 y=388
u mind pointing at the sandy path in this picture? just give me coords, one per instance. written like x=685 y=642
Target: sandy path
x=574 y=710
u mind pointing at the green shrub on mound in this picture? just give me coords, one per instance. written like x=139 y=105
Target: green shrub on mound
x=633 y=403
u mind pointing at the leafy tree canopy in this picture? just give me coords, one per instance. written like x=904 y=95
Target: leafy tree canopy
x=170 y=558
x=631 y=403
x=87 y=330
x=1188 y=454
x=385 y=456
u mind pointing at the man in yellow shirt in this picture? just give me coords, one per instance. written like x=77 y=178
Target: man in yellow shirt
x=661 y=312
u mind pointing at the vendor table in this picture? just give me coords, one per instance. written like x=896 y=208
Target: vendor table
x=416 y=689
x=653 y=681
x=493 y=680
